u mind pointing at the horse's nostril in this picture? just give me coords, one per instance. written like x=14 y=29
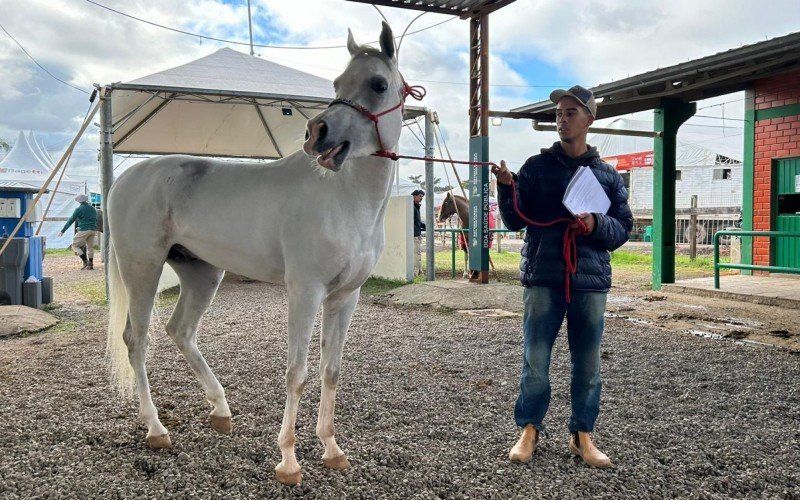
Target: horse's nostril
x=307 y=134
x=323 y=130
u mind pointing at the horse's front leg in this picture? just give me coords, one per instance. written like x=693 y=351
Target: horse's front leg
x=304 y=303
x=337 y=310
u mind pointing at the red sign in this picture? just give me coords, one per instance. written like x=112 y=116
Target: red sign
x=631 y=160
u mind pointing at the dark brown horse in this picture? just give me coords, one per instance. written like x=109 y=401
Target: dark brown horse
x=458 y=204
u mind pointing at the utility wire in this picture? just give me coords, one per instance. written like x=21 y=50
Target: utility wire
x=328 y=68
x=236 y=42
x=37 y=62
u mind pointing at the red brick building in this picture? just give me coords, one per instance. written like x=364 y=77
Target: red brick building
x=773 y=134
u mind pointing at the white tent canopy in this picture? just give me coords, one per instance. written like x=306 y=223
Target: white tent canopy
x=27 y=166
x=224 y=104
x=40 y=150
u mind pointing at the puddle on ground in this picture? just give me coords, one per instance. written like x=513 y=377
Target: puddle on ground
x=704 y=334
x=691 y=306
x=628 y=318
x=489 y=313
x=622 y=300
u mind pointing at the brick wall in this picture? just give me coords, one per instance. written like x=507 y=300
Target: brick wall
x=775 y=138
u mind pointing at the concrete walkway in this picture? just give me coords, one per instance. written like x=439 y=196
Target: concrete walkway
x=775 y=290
x=492 y=299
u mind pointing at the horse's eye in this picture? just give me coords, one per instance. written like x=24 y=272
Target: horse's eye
x=379 y=84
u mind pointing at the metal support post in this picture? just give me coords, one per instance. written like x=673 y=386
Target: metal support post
x=668 y=118
x=106 y=169
x=479 y=150
x=430 y=265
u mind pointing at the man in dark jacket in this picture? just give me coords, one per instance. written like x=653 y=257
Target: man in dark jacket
x=419 y=226
x=85 y=218
x=540 y=186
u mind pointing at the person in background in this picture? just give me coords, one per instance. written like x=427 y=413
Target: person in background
x=419 y=226
x=85 y=219
x=539 y=187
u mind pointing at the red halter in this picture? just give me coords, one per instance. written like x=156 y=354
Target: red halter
x=416 y=91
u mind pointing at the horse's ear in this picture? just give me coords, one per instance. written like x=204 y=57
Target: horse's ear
x=387 y=41
x=352 y=46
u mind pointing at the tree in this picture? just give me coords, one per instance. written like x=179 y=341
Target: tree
x=417 y=179
x=5 y=146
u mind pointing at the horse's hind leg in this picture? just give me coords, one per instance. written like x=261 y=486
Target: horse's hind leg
x=199 y=282
x=142 y=283
x=337 y=310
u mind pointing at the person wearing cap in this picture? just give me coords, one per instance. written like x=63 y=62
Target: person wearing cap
x=85 y=219
x=540 y=185
x=419 y=226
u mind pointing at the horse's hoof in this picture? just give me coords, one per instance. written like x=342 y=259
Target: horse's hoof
x=289 y=479
x=159 y=442
x=223 y=425
x=336 y=463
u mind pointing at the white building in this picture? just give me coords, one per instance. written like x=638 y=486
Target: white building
x=708 y=165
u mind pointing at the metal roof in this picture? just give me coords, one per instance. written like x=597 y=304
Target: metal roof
x=462 y=8
x=723 y=73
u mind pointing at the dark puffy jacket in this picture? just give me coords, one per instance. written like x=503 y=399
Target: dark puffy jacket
x=540 y=185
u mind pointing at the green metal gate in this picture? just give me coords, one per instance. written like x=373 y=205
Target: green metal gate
x=786 y=203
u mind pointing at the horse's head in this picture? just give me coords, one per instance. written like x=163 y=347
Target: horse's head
x=367 y=114
x=448 y=207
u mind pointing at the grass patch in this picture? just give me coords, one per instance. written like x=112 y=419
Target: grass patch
x=378 y=286
x=169 y=297
x=508 y=262
x=58 y=252
x=63 y=326
x=94 y=292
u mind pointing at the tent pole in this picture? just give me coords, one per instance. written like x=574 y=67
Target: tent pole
x=250 y=25
x=106 y=169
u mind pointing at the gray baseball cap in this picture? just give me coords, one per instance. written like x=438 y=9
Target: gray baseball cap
x=584 y=96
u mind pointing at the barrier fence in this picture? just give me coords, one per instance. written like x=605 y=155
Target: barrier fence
x=770 y=234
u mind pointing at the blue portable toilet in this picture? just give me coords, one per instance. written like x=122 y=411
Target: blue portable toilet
x=14 y=202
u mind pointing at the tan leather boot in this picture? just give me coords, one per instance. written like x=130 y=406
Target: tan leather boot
x=525 y=446
x=580 y=444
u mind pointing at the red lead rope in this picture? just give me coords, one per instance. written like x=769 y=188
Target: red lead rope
x=570 y=247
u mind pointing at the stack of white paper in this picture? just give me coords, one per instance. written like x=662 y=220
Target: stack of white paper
x=584 y=194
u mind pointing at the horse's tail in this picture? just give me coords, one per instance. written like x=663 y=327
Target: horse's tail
x=122 y=376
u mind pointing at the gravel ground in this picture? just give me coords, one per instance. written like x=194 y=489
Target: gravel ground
x=424 y=410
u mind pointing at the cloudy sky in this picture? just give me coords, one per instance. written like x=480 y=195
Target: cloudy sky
x=536 y=46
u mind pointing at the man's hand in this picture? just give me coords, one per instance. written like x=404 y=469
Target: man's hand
x=60 y=234
x=503 y=174
x=588 y=221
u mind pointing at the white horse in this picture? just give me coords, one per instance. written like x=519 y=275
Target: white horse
x=316 y=227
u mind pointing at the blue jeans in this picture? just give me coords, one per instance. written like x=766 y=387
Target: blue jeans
x=545 y=309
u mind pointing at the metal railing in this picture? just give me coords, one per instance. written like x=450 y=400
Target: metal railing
x=454 y=231
x=750 y=267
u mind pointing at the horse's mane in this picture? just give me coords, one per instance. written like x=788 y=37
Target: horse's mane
x=457 y=196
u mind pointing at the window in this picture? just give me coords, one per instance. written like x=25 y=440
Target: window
x=722 y=174
x=626 y=178
x=678 y=175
